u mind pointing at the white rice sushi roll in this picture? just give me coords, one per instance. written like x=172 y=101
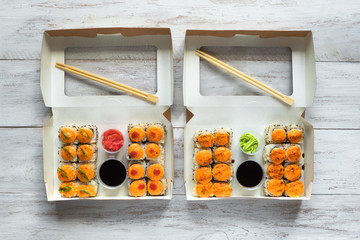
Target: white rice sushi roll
x=136 y=151
x=294 y=189
x=293 y=172
x=66 y=171
x=294 y=154
x=157 y=188
x=137 y=188
x=202 y=157
x=89 y=189
x=136 y=169
x=87 y=134
x=203 y=174
x=223 y=172
x=223 y=137
x=67 y=153
x=295 y=133
x=222 y=155
x=203 y=139
x=155 y=132
x=155 y=152
x=68 y=189
x=86 y=172
x=275 y=133
x=203 y=190
x=136 y=132
x=87 y=153
x=67 y=135
x=274 y=187
x=274 y=153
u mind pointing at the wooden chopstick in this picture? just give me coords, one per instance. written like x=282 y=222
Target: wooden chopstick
x=245 y=77
x=108 y=82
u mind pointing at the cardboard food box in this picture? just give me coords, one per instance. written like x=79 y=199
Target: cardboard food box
x=105 y=111
x=248 y=112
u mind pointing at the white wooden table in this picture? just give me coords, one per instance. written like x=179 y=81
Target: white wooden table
x=333 y=211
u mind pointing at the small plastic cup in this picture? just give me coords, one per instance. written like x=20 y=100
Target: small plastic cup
x=115 y=131
x=112 y=173
x=260 y=143
x=250 y=169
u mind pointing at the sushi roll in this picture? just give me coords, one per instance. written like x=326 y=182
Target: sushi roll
x=275 y=171
x=85 y=172
x=203 y=175
x=275 y=133
x=295 y=133
x=223 y=137
x=294 y=189
x=87 y=153
x=154 y=152
x=66 y=172
x=87 y=134
x=67 y=153
x=137 y=188
x=136 y=170
x=155 y=172
x=293 y=153
x=274 y=187
x=222 y=172
x=157 y=188
x=136 y=132
x=221 y=189
x=292 y=172
x=202 y=157
x=136 y=152
x=203 y=139
x=203 y=190
x=67 y=134
x=68 y=189
x=86 y=190
x=155 y=133
x=222 y=155
x=274 y=153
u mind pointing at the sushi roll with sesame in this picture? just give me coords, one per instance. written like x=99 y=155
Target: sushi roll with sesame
x=157 y=188
x=87 y=134
x=136 y=169
x=66 y=172
x=275 y=171
x=222 y=155
x=67 y=135
x=222 y=172
x=136 y=152
x=155 y=132
x=67 y=153
x=275 y=133
x=293 y=153
x=203 y=175
x=155 y=172
x=295 y=133
x=203 y=139
x=274 y=153
x=294 y=189
x=137 y=188
x=136 y=132
x=223 y=137
x=155 y=152
x=202 y=157
x=292 y=172
x=68 y=189
x=87 y=152
x=85 y=172
x=203 y=190
x=274 y=187
x=86 y=190
x=221 y=189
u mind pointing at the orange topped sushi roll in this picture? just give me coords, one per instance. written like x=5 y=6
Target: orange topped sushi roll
x=221 y=189
x=222 y=137
x=66 y=173
x=85 y=191
x=68 y=153
x=222 y=154
x=294 y=135
x=84 y=135
x=292 y=172
x=136 y=152
x=203 y=157
x=294 y=189
x=275 y=133
x=155 y=188
x=155 y=133
x=152 y=151
x=203 y=175
x=222 y=172
x=155 y=172
x=137 y=188
x=275 y=171
x=68 y=189
x=137 y=133
x=204 y=190
x=67 y=134
x=206 y=140
x=85 y=152
x=278 y=135
x=85 y=172
x=277 y=155
x=293 y=153
x=136 y=171
x=275 y=187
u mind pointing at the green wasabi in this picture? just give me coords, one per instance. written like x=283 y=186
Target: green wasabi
x=248 y=143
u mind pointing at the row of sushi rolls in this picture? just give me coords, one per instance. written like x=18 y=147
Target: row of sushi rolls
x=145 y=157
x=283 y=161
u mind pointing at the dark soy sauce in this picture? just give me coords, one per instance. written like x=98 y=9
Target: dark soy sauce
x=249 y=174
x=112 y=173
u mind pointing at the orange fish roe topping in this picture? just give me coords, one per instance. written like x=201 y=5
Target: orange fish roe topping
x=222 y=137
x=85 y=191
x=85 y=152
x=276 y=187
x=278 y=135
x=66 y=173
x=222 y=172
x=292 y=172
x=67 y=134
x=135 y=151
x=155 y=172
x=155 y=187
x=221 y=189
x=136 y=171
x=203 y=175
x=204 y=190
x=68 y=189
x=293 y=153
x=154 y=133
x=87 y=172
x=277 y=155
x=152 y=150
x=275 y=171
x=136 y=134
x=206 y=140
x=68 y=153
x=84 y=135
x=203 y=157
x=222 y=154
x=294 y=135
x=294 y=189
x=137 y=188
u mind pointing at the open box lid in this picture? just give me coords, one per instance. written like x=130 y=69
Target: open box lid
x=55 y=42
x=303 y=66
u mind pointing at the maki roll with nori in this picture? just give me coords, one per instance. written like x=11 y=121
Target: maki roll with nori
x=85 y=172
x=223 y=137
x=294 y=189
x=203 y=175
x=157 y=188
x=292 y=172
x=66 y=172
x=274 y=187
x=67 y=153
x=155 y=133
x=136 y=152
x=293 y=153
x=203 y=139
x=155 y=172
x=86 y=190
x=136 y=170
x=222 y=155
x=222 y=172
x=136 y=132
x=155 y=152
x=275 y=133
x=68 y=189
x=137 y=188
x=67 y=134
x=274 y=153
x=87 y=153
x=87 y=134
x=295 y=133
x=202 y=157
x=221 y=189
x=275 y=171
x=203 y=190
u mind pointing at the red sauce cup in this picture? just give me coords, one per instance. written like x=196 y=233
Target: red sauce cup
x=112 y=141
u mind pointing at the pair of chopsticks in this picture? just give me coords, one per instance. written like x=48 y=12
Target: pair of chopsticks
x=245 y=77
x=108 y=82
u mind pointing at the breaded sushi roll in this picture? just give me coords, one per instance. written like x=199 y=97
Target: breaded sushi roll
x=222 y=172
x=87 y=134
x=155 y=132
x=67 y=134
x=203 y=190
x=203 y=139
x=136 y=152
x=67 y=153
x=68 y=189
x=85 y=172
x=202 y=157
x=203 y=175
x=66 y=172
x=223 y=137
x=87 y=152
x=293 y=153
x=292 y=172
x=274 y=153
x=155 y=172
x=275 y=171
x=294 y=189
x=274 y=187
x=275 y=133
x=157 y=188
x=155 y=152
x=136 y=132
x=222 y=155
x=295 y=133
x=86 y=190
x=221 y=189
x=136 y=169
x=137 y=188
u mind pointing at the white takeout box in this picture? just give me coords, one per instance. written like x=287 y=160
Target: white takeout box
x=243 y=113
x=115 y=111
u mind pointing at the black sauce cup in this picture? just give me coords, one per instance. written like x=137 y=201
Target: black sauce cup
x=112 y=173
x=250 y=175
